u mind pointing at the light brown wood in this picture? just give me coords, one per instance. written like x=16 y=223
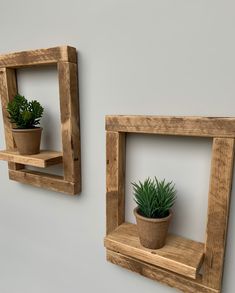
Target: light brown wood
x=185 y=126
x=218 y=210
x=44 y=180
x=44 y=159
x=66 y=59
x=115 y=180
x=158 y=274
x=39 y=57
x=179 y=255
x=125 y=252
x=69 y=107
x=8 y=89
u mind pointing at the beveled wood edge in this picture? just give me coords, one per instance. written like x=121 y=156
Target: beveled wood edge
x=158 y=274
x=198 y=126
x=45 y=180
x=39 y=57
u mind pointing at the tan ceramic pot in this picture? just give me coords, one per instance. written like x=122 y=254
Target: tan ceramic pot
x=152 y=232
x=28 y=140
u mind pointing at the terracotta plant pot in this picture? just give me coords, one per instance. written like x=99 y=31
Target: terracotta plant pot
x=27 y=140
x=152 y=232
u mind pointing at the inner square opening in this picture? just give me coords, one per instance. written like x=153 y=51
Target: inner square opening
x=183 y=160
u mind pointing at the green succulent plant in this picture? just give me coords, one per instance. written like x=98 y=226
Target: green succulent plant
x=23 y=113
x=154 y=198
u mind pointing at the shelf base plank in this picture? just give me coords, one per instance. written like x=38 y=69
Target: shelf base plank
x=42 y=160
x=179 y=255
x=166 y=277
x=45 y=180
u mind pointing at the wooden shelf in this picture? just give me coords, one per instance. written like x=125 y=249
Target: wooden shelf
x=179 y=255
x=65 y=59
x=178 y=262
x=42 y=160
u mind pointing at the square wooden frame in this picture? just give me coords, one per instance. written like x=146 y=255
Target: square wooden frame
x=222 y=131
x=65 y=58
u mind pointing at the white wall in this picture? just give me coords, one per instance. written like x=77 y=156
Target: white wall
x=135 y=57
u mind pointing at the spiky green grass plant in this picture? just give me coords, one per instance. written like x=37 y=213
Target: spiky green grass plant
x=154 y=198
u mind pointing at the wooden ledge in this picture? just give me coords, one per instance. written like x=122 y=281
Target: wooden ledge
x=42 y=160
x=179 y=255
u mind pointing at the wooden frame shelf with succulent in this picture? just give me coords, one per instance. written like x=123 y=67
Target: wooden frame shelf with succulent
x=176 y=261
x=21 y=119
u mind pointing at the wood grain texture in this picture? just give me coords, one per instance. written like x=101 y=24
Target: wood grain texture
x=39 y=57
x=8 y=89
x=179 y=255
x=66 y=59
x=42 y=160
x=69 y=108
x=218 y=210
x=44 y=180
x=185 y=126
x=158 y=274
x=123 y=250
x=115 y=180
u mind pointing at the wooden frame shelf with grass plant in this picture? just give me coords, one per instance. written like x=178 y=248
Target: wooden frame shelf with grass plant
x=65 y=58
x=178 y=263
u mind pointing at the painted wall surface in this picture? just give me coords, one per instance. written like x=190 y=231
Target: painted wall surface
x=135 y=57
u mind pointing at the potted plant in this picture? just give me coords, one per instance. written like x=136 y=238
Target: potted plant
x=25 y=116
x=154 y=200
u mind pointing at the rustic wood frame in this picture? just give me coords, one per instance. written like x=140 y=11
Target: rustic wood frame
x=65 y=58
x=222 y=131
